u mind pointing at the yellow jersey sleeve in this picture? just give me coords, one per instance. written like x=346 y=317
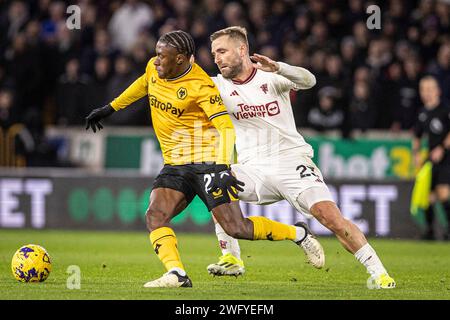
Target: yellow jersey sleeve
x=225 y=152
x=210 y=101
x=134 y=92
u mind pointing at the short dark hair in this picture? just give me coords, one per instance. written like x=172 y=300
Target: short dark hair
x=180 y=40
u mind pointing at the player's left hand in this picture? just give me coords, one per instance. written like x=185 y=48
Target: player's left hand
x=226 y=181
x=93 y=119
x=264 y=63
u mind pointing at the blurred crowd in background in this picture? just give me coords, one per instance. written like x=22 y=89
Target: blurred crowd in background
x=366 y=79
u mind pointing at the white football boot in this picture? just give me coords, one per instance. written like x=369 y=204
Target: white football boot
x=171 y=279
x=311 y=247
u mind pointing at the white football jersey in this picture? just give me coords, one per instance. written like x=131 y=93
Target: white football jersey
x=261 y=113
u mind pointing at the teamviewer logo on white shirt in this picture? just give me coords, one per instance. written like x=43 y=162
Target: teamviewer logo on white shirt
x=244 y=111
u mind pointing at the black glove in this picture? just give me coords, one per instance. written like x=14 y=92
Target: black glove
x=93 y=119
x=225 y=181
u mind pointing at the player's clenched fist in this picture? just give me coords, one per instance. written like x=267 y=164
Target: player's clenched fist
x=93 y=119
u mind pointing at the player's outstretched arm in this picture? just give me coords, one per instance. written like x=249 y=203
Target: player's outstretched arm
x=93 y=119
x=301 y=77
x=134 y=92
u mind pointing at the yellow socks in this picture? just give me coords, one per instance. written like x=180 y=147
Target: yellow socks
x=164 y=242
x=266 y=229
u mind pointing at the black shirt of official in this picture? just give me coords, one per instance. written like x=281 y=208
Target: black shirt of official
x=435 y=123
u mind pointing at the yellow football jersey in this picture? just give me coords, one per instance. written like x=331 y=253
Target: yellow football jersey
x=182 y=110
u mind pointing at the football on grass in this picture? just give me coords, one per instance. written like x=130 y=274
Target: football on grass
x=31 y=263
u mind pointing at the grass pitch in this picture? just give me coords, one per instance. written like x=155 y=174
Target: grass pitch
x=115 y=265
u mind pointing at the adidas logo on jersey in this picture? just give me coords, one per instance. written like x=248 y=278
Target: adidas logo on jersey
x=234 y=93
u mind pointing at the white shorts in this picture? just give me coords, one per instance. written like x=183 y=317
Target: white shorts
x=295 y=179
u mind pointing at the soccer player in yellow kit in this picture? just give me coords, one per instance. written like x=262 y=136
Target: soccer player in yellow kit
x=186 y=108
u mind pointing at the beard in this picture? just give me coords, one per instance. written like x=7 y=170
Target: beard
x=232 y=71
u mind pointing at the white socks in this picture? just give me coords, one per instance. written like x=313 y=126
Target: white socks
x=300 y=234
x=180 y=271
x=368 y=257
x=227 y=243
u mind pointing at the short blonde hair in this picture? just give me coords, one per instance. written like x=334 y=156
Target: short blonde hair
x=235 y=32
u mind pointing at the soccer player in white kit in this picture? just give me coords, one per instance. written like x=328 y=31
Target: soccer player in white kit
x=274 y=161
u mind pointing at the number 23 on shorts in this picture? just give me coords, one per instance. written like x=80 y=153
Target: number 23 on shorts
x=306 y=171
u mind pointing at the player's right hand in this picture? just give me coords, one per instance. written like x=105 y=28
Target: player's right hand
x=226 y=181
x=93 y=119
x=264 y=63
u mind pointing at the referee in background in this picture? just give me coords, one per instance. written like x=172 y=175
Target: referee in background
x=434 y=123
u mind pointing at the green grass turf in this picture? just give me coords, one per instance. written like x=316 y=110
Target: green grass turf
x=115 y=265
